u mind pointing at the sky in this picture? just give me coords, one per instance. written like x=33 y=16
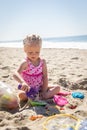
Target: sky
x=47 y=18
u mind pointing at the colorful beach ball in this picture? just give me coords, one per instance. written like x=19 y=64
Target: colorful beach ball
x=8 y=98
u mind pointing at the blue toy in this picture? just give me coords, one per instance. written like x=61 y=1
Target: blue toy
x=78 y=95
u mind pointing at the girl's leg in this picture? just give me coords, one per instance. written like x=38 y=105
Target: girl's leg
x=52 y=90
x=22 y=96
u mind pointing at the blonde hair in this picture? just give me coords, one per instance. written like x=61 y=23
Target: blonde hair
x=32 y=39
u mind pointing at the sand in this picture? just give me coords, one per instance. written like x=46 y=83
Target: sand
x=66 y=67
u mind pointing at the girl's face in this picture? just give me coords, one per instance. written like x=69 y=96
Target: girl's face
x=32 y=51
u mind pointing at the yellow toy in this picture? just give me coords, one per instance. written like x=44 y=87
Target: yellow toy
x=61 y=122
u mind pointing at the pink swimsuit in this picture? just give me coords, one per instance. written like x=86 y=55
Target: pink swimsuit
x=33 y=75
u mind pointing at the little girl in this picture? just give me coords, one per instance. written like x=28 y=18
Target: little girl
x=32 y=73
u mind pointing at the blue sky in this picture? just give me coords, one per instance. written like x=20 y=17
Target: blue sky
x=48 y=18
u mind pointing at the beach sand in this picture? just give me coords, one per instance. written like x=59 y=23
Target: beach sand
x=66 y=67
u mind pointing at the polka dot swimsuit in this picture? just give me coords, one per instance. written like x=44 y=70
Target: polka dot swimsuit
x=33 y=75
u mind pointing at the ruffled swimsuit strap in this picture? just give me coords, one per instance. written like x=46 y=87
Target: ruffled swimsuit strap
x=30 y=63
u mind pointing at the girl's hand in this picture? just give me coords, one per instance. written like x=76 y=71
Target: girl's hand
x=25 y=87
x=42 y=95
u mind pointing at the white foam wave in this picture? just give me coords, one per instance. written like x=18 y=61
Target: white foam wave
x=79 y=45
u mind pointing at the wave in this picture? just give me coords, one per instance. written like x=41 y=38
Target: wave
x=79 y=42
x=46 y=44
x=80 y=38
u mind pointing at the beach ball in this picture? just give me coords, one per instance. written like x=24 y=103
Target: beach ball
x=8 y=98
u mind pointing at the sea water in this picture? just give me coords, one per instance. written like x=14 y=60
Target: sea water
x=79 y=42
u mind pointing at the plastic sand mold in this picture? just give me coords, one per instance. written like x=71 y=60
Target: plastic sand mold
x=37 y=103
x=61 y=122
x=78 y=95
x=60 y=100
x=34 y=117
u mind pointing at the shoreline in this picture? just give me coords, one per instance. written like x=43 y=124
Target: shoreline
x=47 y=44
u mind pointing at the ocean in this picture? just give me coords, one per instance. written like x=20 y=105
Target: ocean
x=79 y=42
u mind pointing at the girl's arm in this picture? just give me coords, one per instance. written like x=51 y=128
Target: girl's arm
x=17 y=73
x=45 y=77
x=18 y=77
